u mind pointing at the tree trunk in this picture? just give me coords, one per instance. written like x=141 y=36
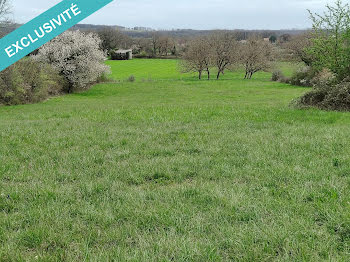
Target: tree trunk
x=208 y=74
x=200 y=75
x=218 y=75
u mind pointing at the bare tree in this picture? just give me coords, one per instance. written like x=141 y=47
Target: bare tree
x=256 y=55
x=155 y=43
x=113 y=39
x=284 y=38
x=173 y=47
x=144 y=46
x=225 y=51
x=164 y=45
x=5 y=10
x=298 y=48
x=198 y=56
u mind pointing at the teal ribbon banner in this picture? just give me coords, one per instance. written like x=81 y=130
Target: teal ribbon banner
x=45 y=27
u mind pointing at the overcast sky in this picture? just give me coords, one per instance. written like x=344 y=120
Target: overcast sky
x=195 y=14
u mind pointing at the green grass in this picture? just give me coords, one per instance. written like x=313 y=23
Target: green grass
x=146 y=70
x=174 y=170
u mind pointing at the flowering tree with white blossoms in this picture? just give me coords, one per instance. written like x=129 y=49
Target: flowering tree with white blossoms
x=77 y=56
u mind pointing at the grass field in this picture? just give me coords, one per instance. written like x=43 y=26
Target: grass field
x=169 y=168
x=168 y=69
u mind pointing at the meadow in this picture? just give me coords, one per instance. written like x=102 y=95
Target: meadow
x=170 y=168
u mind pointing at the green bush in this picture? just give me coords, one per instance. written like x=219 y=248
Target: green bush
x=28 y=81
x=330 y=39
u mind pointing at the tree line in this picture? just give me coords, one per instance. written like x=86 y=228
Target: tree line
x=223 y=51
x=156 y=45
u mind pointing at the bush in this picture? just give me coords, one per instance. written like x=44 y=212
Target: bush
x=131 y=78
x=277 y=76
x=77 y=56
x=303 y=77
x=325 y=77
x=28 y=81
x=314 y=98
x=143 y=54
x=285 y=80
x=328 y=96
x=104 y=78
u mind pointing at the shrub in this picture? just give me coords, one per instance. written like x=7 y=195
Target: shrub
x=325 y=77
x=28 y=81
x=104 y=78
x=338 y=97
x=143 y=54
x=328 y=96
x=303 y=77
x=277 y=76
x=131 y=78
x=285 y=80
x=313 y=98
x=273 y=39
x=77 y=56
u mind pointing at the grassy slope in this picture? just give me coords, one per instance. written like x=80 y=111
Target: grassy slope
x=174 y=170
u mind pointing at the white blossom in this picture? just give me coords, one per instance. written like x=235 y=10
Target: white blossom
x=77 y=56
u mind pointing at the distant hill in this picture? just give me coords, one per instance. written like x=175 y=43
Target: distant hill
x=95 y=27
x=141 y=32
x=145 y=32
